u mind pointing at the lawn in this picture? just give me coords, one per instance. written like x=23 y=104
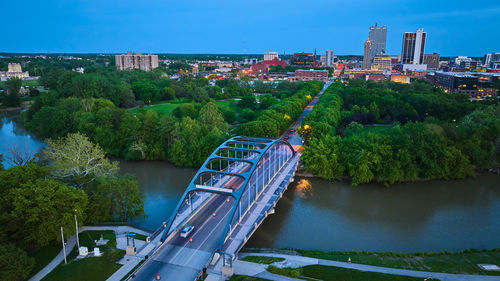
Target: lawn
x=162 y=108
x=139 y=236
x=461 y=263
x=94 y=269
x=44 y=256
x=245 y=278
x=327 y=273
x=262 y=259
x=168 y=107
x=32 y=83
x=91 y=268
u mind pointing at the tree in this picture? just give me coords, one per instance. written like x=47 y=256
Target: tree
x=77 y=160
x=14 y=263
x=13 y=86
x=212 y=117
x=115 y=199
x=306 y=132
x=40 y=208
x=248 y=102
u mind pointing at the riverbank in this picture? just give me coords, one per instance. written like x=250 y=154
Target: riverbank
x=464 y=262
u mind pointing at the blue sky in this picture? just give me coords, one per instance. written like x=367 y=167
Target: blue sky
x=242 y=26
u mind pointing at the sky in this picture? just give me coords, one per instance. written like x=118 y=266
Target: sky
x=454 y=27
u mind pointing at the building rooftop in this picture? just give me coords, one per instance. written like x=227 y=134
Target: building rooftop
x=456 y=74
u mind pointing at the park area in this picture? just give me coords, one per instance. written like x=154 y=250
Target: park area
x=90 y=268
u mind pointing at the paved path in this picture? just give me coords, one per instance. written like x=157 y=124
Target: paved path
x=297 y=261
x=71 y=242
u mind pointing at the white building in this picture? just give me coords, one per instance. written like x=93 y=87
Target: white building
x=270 y=56
x=329 y=58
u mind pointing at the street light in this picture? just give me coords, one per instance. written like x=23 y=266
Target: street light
x=77 y=238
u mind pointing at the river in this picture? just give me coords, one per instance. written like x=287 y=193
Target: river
x=322 y=215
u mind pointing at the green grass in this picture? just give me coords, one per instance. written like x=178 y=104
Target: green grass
x=168 y=107
x=139 y=236
x=162 y=108
x=94 y=269
x=460 y=263
x=91 y=268
x=328 y=273
x=245 y=278
x=44 y=256
x=32 y=83
x=262 y=259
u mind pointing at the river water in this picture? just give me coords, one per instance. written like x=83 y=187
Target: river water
x=322 y=215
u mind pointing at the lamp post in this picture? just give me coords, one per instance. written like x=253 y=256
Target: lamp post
x=77 y=239
x=64 y=246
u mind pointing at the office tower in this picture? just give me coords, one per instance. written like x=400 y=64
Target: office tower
x=378 y=37
x=412 y=55
x=382 y=62
x=432 y=61
x=413 y=47
x=492 y=60
x=367 y=58
x=136 y=61
x=270 y=56
x=329 y=58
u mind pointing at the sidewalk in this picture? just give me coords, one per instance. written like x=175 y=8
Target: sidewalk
x=71 y=242
x=299 y=261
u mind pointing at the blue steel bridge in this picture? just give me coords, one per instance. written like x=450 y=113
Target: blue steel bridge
x=236 y=188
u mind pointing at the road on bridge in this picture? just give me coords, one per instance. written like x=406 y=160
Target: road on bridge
x=183 y=258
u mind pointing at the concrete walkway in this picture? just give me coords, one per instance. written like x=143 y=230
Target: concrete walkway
x=241 y=267
x=120 y=231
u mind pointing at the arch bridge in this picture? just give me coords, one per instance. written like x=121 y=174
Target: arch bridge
x=230 y=195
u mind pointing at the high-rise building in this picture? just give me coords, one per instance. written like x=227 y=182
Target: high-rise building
x=270 y=56
x=367 y=58
x=382 y=62
x=492 y=60
x=432 y=61
x=329 y=58
x=412 y=55
x=136 y=61
x=378 y=37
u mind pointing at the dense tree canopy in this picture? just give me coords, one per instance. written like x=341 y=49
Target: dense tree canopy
x=448 y=144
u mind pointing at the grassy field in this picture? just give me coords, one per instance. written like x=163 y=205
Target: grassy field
x=464 y=262
x=329 y=273
x=95 y=269
x=44 y=256
x=262 y=259
x=245 y=278
x=91 y=268
x=32 y=83
x=162 y=108
x=168 y=107
x=140 y=236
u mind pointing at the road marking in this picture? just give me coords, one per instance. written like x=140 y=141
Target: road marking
x=208 y=236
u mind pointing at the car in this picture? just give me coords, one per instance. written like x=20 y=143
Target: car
x=186 y=231
x=285 y=137
x=292 y=130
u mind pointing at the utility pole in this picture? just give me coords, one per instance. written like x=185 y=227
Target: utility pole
x=77 y=239
x=64 y=246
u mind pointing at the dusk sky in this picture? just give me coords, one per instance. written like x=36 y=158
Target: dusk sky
x=454 y=27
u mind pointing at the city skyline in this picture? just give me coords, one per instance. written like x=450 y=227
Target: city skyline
x=234 y=28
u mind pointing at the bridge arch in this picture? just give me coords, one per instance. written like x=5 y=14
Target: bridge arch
x=262 y=159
